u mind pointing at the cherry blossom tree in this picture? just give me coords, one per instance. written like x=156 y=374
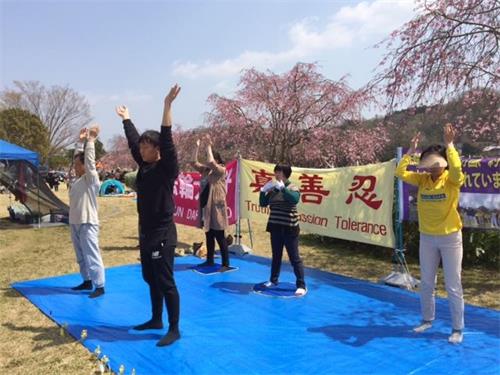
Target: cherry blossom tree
x=449 y=50
x=118 y=155
x=185 y=141
x=449 y=45
x=294 y=117
x=480 y=117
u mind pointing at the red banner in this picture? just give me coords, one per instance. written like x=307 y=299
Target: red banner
x=187 y=194
x=232 y=191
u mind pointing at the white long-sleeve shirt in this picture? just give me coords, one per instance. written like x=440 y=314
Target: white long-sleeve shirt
x=83 y=192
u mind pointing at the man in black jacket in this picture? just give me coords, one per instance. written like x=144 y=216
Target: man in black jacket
x=158 y=168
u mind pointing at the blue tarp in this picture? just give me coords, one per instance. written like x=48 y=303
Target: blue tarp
x=342 y=326
x=9 y=151
x=211 y=270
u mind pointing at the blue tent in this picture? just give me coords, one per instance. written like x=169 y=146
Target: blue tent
x=111 y=187
x=9 y=151
x=19 y=172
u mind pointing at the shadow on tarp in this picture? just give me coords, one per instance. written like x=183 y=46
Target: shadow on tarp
x=361 y=335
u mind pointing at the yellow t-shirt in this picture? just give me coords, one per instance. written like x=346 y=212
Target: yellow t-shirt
x=437 y=201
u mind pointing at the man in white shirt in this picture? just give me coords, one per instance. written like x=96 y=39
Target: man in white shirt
x=83 y=218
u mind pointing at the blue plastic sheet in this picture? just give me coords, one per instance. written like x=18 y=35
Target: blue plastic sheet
x=212 y=270
x=342 y=326
x=282 y=290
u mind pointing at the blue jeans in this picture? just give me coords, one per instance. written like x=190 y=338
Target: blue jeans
x=85 y=239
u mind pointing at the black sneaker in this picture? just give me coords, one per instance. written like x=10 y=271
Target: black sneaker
x=224 y=269
x=86 y=285
x=97 y=293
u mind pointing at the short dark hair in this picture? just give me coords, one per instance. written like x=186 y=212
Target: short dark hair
x=80 y=156
x=285 y=168
x=435 y=149
x=150 y=136
x=218 y=158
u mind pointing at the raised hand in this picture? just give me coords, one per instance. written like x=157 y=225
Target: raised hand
x=93 y=132
x=268 y=186
x=84 y=133
x=414 y=143
x=448 y=134
x=208 y=139
x=167 y=111
x=122 y=111
x=280 y=185
x=174 y=91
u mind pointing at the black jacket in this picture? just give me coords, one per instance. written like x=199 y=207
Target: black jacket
x=155 y=181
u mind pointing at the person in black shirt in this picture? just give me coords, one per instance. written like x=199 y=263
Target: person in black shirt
x=156 y=156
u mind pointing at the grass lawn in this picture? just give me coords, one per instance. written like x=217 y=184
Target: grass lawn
x=32 y=343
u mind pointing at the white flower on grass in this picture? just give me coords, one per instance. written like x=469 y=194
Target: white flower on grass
x=83 y=335
x=62 y=330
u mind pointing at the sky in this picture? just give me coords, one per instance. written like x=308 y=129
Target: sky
x=131 y=52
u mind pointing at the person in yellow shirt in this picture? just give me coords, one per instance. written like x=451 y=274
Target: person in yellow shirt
x=440 y=226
